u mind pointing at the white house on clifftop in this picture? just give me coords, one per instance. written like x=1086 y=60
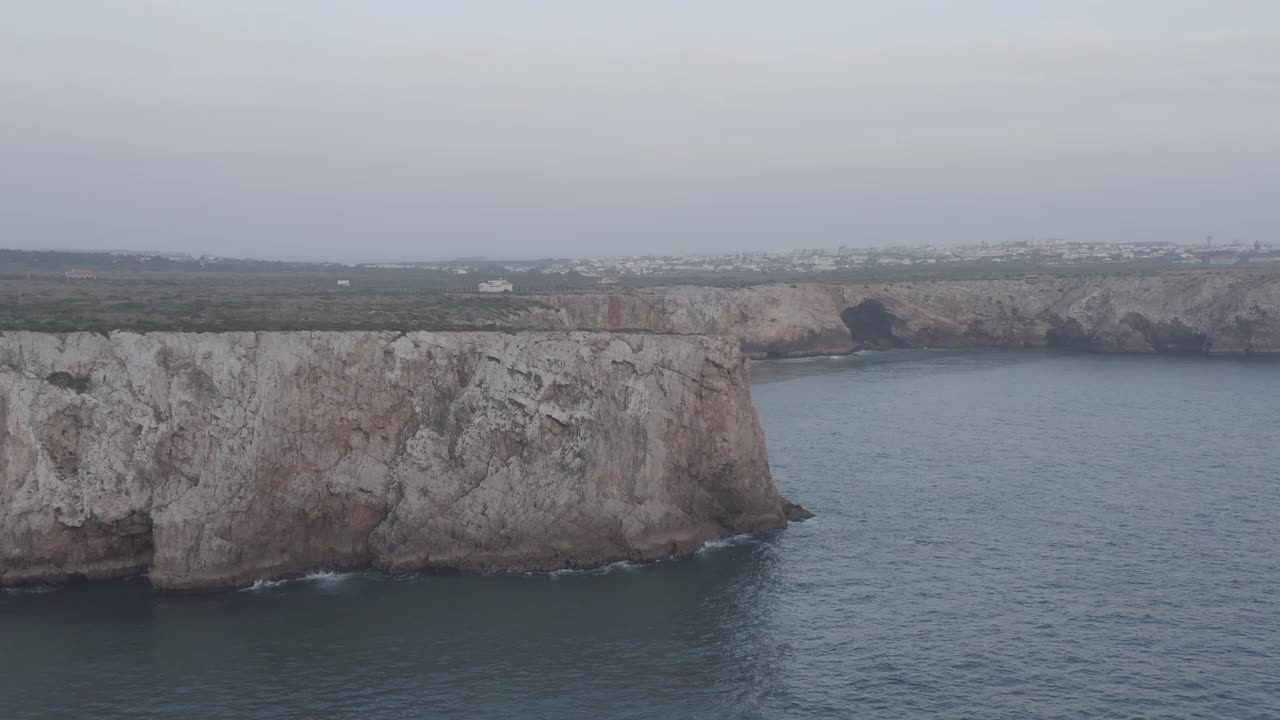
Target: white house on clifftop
x=496 y=286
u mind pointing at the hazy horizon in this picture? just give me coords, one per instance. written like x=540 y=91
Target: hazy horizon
x=526 y=257
x=421 y=130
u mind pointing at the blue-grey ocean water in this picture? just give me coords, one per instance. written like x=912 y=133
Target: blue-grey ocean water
x=999 y=535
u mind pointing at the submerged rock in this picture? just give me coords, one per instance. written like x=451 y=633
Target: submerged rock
x=213 y=460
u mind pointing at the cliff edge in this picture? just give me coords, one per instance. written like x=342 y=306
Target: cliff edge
x=1204 y=312
x=212 y=460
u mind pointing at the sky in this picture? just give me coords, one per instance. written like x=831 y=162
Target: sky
x=418 y=129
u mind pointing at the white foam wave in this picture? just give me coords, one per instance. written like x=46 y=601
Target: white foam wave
x=263 y=584
x=321 y=576
x=30 y=590
x=726 y=542
x=810 y=358
x=327 y=576
x=619 y=566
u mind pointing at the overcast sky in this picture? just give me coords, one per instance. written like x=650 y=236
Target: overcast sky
x=407 y=129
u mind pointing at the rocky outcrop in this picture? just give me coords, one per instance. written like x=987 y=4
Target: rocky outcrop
x=211 y=460
x=768 y=320
x=1206 y=312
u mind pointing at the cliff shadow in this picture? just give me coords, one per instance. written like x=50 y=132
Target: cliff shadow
x=871 y=325
x=1069 y=335
x=1172 y=337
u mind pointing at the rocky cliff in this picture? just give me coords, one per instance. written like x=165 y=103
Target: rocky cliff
x=1220 y=313
x=211 y=460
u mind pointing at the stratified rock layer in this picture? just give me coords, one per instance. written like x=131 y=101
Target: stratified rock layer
x=211 y=460
x=1214 y=312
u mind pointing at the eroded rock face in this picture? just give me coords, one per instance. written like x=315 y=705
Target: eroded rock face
x=774 y=321
x=211 y=460
x=1208 y=312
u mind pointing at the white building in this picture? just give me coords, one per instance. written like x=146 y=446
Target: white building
x=496 y=286
x=344 y=283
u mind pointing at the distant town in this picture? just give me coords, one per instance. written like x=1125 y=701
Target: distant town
x=479 y=274
x=1048 y=252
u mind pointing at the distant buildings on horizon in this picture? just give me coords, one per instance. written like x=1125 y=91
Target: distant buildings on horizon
x=1033 y=252
x=608 y=270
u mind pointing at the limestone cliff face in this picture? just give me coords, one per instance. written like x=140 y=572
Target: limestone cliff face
x=1221 y=313
x=211 y=460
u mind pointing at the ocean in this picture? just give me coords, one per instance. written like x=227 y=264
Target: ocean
x=999 y=534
